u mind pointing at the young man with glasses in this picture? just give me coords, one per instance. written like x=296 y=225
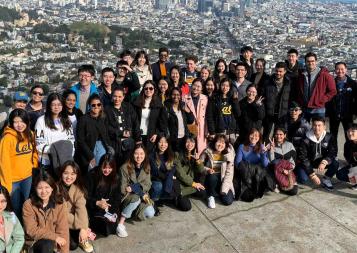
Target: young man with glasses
x=36 y=106
x=162 y=67
x=85 y=87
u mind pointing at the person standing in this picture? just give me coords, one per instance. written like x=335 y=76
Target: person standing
x=315 y=87
x=162 y=67
x=341 y=108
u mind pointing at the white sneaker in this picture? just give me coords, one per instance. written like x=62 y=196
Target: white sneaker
x=326 y=182
x=121 y=231
x=211 y=202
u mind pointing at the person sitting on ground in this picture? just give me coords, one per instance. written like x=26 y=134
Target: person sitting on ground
x=350 y=154
x=190 y=172
x=218 y=161
x=11 y=229
x=104 y=197
x=282 y=157
x=251 y=178
x=45 y=217
x=135 y=185
x=318 y=150
x=73 y=191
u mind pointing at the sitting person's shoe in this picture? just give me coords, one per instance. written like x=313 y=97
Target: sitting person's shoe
x=121 y=231
x=211 y=202
x=354 y=187
x=326 y=183
x=86 y=246
x=157 y=210
x=72 y=244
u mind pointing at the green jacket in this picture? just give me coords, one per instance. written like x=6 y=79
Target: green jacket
x=126 y=179
x=14 y=234
x=185 y=173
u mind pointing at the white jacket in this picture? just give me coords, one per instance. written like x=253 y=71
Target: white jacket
x=47 y=136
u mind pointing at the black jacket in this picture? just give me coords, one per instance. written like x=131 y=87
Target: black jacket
x=156 y=73
x=343 y=105
x=96 y=192
x=311 y=153
x=105 y=96
x=251 y=117
x=172 y=120
x=296 y=130
x=129 y=123
x=216 y=112
x=273 y=100
x=89 y=130
x=350 y=153
x=265 y=77
x=130 y=84
x=157 y=118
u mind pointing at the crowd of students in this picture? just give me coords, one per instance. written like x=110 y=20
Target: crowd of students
x=153 y=135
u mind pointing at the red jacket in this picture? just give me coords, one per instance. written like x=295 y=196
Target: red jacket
x=324 y=91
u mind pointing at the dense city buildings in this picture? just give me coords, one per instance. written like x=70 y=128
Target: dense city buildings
x=45 y=41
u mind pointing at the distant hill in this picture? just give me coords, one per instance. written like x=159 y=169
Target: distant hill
x=8 y=15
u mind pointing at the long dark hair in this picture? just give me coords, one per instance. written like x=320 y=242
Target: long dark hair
x=131 y=162
x=181 y=79
x=258 y=146
x=27 y=134
x=78 y=182
x=6 y=194
x=112 y=180
x=215 y=72
x=55 y=197
x=142 y=94
x=66 y=122
x=169 y=156
x=168 y=91
x=137 y=56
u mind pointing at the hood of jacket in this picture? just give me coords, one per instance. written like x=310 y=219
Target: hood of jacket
x=311 y=136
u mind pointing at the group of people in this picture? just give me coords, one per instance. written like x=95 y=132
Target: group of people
x=157 y=134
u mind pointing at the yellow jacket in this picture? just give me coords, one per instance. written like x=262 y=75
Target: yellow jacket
x=16 y=159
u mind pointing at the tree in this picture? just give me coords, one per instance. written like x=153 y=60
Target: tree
x=7 y=100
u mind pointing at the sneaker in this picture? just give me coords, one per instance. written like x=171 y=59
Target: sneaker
x=86 y=246
x=276 y=190
x=121 y=231
x=211 y=202
x=354 y=187
x=326 y=183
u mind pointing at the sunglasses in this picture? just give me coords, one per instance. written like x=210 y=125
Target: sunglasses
x=295 y=109
x=37 y=93
x=149 y=88
x=96 y=105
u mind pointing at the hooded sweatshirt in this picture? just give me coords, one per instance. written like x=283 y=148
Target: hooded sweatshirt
x=17 y=158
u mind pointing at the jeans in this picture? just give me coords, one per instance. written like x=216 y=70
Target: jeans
x=213 y=184
x=20 y=193
x=98 y=151
x=302 y=173
x=335 y=124
x=129 y=209
x=156 y=190
x=149 y=211
x=342 y=174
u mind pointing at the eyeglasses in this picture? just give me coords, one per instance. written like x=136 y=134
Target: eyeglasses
x=164 y=55
x=37 y=93
x=149 y=88
x=3 y=201
x=84 y=76
x=295 y=109
x=96 y=105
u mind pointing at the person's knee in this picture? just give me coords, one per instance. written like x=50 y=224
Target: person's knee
x=184 y=204
x=149 y=212
x=43 y=246
x=227 y=198
x=342 y=174
x=156 y=186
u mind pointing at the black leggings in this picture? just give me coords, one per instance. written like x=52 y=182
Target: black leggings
x=183 y=203
x=43 y=246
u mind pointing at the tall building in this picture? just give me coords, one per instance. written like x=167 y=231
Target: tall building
x=162 y=4
x=241 y=8
x=205 y=6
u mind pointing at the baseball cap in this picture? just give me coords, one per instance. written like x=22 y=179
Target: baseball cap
x=20 y=96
